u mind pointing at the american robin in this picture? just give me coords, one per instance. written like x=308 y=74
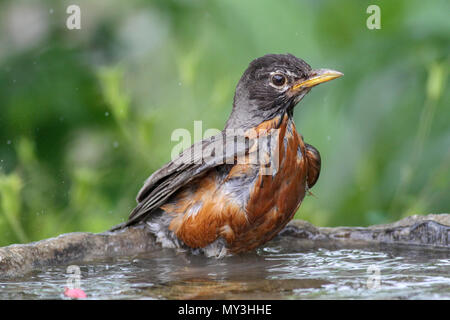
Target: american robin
x=229 y=195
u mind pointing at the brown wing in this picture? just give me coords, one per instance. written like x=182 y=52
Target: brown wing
x=189 y=165
x=314 y=162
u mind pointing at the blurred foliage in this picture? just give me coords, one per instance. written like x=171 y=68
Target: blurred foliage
x=86 y=115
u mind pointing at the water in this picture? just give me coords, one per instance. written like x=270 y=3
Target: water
x=278 y=271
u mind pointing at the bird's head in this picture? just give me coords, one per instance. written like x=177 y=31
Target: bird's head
x=272 y=85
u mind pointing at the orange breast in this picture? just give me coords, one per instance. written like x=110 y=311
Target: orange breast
x=251 y=203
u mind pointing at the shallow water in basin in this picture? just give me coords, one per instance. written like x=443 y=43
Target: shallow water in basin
x=279 y=271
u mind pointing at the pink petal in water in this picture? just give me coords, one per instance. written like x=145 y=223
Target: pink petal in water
x=74 y=293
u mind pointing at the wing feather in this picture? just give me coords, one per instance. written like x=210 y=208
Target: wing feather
x=314 y=164
x=189 y=165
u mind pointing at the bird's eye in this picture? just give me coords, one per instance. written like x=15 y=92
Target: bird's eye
x=278 y=79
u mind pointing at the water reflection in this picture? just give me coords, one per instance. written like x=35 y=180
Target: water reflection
x=284 y=269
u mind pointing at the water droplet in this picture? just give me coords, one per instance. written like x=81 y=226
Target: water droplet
x=106 y=114
x=115 y=144
x=328 y=138
x=179 y=83
x=8 y=142
x=51 y=11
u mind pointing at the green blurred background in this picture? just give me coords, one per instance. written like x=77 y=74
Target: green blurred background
x=86 y=115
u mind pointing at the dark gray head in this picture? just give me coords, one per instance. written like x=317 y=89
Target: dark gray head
x=273 y=85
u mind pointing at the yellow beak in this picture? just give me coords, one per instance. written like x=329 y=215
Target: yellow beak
x=317 y=77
